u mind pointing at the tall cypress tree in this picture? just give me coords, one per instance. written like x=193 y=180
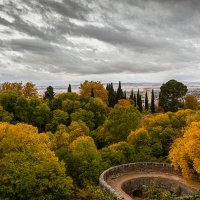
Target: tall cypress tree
x=152 y=102
x=92 y=93
x=108 y=87
x=124 y=95
x=69 y=88
x=146 y=101
x=134 y=99
x=140 y=103
x=138 y=98
x=111 y=95
x=131 y=95
x=120 y=94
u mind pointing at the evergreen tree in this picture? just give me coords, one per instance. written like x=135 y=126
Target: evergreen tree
x=131 y=95
x=171 y=96
x=111 y=95
x=152 y=102
x=138 y=98
x=69 y=88
x=124 y=95
x=92 y=93
x=134 y=99
x=140 y=103
x=49 y=93
x=146 y=101
x=120 y=94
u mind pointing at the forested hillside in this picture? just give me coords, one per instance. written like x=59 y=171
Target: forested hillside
x=56 y=146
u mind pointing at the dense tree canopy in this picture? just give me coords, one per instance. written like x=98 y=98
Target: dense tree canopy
x=28 y=168
x=171 y=95
x=185 y=151
x=85 y=135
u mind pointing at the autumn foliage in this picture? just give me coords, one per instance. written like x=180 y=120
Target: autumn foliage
x=28 y=168
x=28 y=90
x=185 y=151
x=78 y=136
x=98 y=89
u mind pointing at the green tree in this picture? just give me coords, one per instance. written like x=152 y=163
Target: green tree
x=121 y=121
x=139 y=101
x=8 y=99
x=49 y=93
x=141 y=141
x=132 y=95
x=135 y=99
x=111 y=95
x=85 y=165
x=28 y=168
x=60 y=116
x=171 y=95
x=94 y=193
x=92 y=93
x=69 y=88
x=116 y=154
x=85 y=116
x=152 y=102
x=99 y=108
x=5 y=116
x=120 y=93
x=41 y=116
x=146 y=102
x=71 y=106
x=124 y=95
x=22 y=110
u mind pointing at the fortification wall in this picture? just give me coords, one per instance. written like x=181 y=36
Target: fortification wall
x=117 y=171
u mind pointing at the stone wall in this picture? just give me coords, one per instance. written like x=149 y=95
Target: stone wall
x=117 y=171
x=173 y=186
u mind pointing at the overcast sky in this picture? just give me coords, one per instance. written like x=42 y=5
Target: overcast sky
x=69 y=41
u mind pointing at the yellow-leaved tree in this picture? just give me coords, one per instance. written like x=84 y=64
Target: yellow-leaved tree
x=28 y=90
x=185 y=151
x=96 y=87
x=28 y=168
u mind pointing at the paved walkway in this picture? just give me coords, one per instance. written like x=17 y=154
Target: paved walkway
x=118 y=182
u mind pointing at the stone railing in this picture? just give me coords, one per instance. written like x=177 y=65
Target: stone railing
x=117 y=171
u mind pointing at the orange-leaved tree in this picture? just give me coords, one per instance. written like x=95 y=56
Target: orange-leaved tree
x=191 y=102
x=96 y=87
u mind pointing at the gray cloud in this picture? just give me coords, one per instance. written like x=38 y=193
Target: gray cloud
x=56 y=38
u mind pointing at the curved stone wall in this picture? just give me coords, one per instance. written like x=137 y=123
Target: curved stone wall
x=166 y=183
x=117 y=171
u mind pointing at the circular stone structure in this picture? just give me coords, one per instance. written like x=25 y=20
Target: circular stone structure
x=127 y=181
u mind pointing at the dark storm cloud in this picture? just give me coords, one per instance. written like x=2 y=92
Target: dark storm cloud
x=100 y=37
